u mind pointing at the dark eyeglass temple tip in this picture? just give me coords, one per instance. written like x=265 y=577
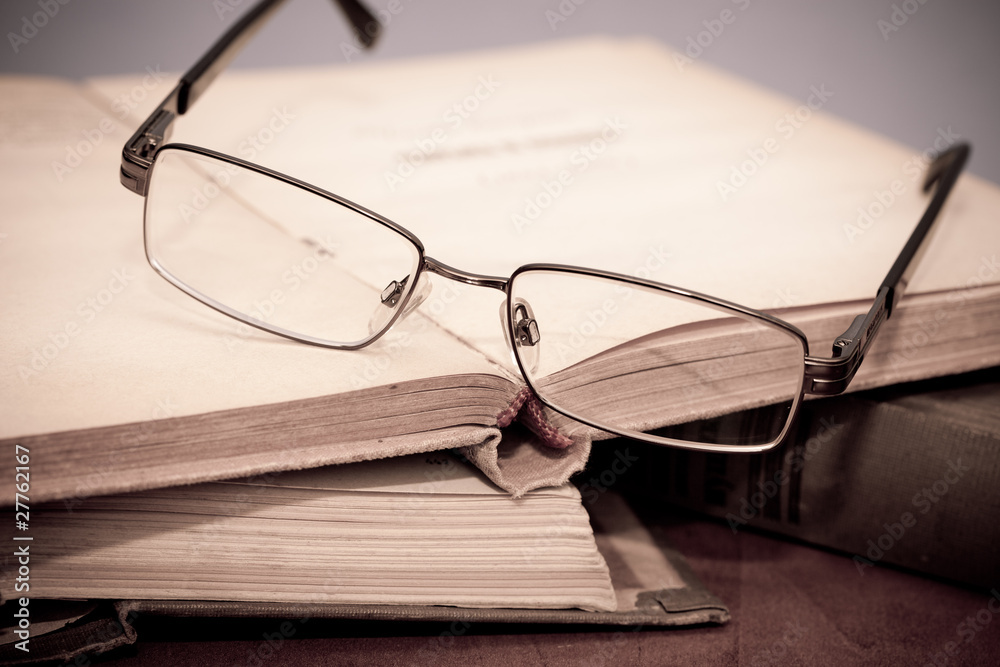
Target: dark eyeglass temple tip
x=942 y=172
x=958 y=153
x=367 y=28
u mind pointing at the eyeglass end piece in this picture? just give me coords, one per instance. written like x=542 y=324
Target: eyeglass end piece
x=844 y=340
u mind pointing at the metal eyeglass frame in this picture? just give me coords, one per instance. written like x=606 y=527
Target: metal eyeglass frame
x=822 y=376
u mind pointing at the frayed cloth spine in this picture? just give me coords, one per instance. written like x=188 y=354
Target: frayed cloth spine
x=527 y=409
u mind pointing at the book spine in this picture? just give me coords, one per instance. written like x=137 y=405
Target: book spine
x=912 y=481
x=527 y=409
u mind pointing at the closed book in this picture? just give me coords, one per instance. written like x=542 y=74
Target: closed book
x=907 y=476
x=420 y=537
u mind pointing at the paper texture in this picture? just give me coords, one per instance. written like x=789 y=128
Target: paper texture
x=594 y=152
x=93 y=337
x=430 y=532
x=603 y=153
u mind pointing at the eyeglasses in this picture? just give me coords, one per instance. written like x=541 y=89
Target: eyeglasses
x=628 y=356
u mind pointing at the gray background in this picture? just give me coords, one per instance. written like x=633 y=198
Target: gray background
x=939 y=69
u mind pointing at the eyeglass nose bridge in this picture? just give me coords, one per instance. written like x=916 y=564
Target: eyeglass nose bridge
x=523 y=323
x=396 y=289
x=451 y=273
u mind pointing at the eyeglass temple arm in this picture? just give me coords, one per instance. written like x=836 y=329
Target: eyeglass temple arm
x=828 y=376
x=138 y=152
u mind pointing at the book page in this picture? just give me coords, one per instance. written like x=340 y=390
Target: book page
x=432 y=533
x=591 y=152
x=92 y=337
x=605 y=153
x=440 y=473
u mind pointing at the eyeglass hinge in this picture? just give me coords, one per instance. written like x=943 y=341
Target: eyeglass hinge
x=137 y=157
x=863 y=328
x=845 y=339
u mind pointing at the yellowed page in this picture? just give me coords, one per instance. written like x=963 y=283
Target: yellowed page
x=628 y=161
x=439 y=473
x=423 y=531
x=92 y=337
x=605 y=153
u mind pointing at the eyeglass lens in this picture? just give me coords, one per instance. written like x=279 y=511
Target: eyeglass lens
x=273 y=253
x=641 y=360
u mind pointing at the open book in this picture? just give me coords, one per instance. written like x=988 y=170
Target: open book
x=595 y=153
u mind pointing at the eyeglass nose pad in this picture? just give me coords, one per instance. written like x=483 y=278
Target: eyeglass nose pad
x=506 y=332
x=390 y=298
x=526 y=334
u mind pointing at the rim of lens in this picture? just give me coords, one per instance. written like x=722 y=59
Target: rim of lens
x=720 y=305
x=302 y=185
